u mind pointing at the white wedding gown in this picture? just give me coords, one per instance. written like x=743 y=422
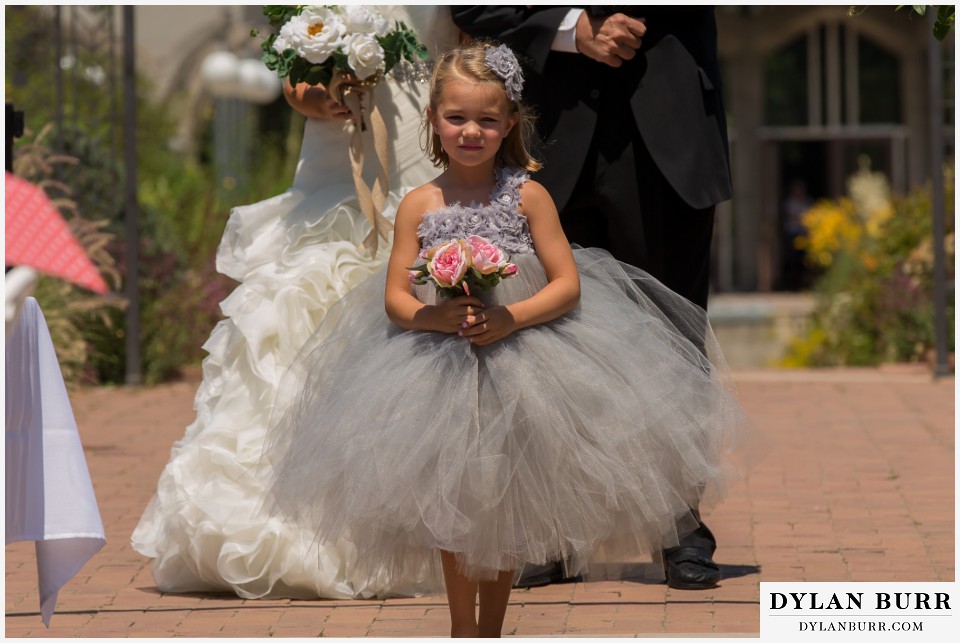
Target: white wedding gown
x=294 y=256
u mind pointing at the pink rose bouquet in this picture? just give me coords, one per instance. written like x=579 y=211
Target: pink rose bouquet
x=462 y=266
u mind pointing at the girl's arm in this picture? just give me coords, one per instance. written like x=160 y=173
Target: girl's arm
x=402 y=307
x=562 y=292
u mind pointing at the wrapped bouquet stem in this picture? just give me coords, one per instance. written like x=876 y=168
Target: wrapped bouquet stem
x=371 y=198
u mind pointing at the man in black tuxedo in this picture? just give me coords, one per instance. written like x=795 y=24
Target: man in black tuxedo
x=635 y=153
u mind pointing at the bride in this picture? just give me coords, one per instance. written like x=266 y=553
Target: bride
x=294 y=256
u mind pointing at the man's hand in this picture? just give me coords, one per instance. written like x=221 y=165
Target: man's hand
x=609 y=39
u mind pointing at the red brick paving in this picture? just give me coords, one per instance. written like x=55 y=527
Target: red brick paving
x=857 y=485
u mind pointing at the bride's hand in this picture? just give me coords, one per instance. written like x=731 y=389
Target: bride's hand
x=313 y=101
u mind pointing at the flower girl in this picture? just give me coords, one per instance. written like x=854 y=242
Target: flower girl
x=500 y=398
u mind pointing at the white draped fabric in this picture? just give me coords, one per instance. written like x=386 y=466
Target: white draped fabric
x=49 y=495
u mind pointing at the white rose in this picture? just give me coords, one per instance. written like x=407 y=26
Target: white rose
x=381 y=27
x=359 y=19
x=314 y=34
x=285 y=38
x=364 y=54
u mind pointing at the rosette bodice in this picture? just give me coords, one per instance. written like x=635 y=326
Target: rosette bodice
x=499 y=221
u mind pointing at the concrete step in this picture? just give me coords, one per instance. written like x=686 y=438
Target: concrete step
x=754 y=329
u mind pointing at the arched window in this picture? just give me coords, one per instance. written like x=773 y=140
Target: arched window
x=879 y=83
x=832 y=75
x=785 y=99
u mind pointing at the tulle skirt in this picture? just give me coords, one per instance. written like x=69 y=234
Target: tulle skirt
x=586 y=439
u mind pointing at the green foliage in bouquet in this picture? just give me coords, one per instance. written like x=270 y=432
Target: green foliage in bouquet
x=401 y=44
x=875 y=295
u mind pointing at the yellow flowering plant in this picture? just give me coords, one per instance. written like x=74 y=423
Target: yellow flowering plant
x=875 y=290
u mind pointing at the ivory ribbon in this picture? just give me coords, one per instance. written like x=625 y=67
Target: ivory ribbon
x=372 y=200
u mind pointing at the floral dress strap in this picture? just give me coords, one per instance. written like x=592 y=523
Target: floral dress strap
x=506 y=192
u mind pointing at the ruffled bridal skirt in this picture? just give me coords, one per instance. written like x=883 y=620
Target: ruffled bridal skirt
x=295 y=255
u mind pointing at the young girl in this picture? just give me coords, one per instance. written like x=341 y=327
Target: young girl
x=570 y=413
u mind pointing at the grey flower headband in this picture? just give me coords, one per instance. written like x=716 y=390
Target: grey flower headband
x=503 y=63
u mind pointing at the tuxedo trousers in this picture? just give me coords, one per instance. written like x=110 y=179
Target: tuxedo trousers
x=623 y=203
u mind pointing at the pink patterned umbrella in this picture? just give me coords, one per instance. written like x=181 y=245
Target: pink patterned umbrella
x=38 y=236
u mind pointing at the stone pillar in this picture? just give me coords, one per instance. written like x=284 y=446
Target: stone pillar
x=913 y=89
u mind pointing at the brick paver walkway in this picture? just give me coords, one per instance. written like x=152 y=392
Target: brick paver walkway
x=857 y=485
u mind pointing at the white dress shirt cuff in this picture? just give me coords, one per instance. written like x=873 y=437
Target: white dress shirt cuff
x=566 y=38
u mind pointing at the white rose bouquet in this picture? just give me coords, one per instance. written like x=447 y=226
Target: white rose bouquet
x=311 y=43
x=347 y=49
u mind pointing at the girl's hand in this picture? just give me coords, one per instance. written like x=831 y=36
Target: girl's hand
x=488 y=325
x=450 y=315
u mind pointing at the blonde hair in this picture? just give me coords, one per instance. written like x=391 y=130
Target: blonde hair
x=467 y=63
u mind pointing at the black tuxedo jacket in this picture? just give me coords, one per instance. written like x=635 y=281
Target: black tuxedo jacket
x=672 y=86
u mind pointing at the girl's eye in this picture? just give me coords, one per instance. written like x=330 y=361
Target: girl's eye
x=489 y=120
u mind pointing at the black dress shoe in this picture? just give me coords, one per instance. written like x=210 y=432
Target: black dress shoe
x=690 y=568
x=540 y=575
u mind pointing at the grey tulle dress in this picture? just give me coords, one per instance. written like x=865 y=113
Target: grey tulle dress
x=584 y=439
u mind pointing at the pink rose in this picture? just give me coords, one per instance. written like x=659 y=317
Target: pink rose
x=449 y=263
x=509 y=270
x=487 y=258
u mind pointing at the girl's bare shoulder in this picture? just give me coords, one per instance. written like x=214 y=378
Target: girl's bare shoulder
x=419 y=201
x=535 y=199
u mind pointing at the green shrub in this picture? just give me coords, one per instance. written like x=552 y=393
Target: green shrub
x=181 y=216
x=875 y=295
x=72 y=312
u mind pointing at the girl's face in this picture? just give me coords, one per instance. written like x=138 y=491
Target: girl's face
x=472 y=121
